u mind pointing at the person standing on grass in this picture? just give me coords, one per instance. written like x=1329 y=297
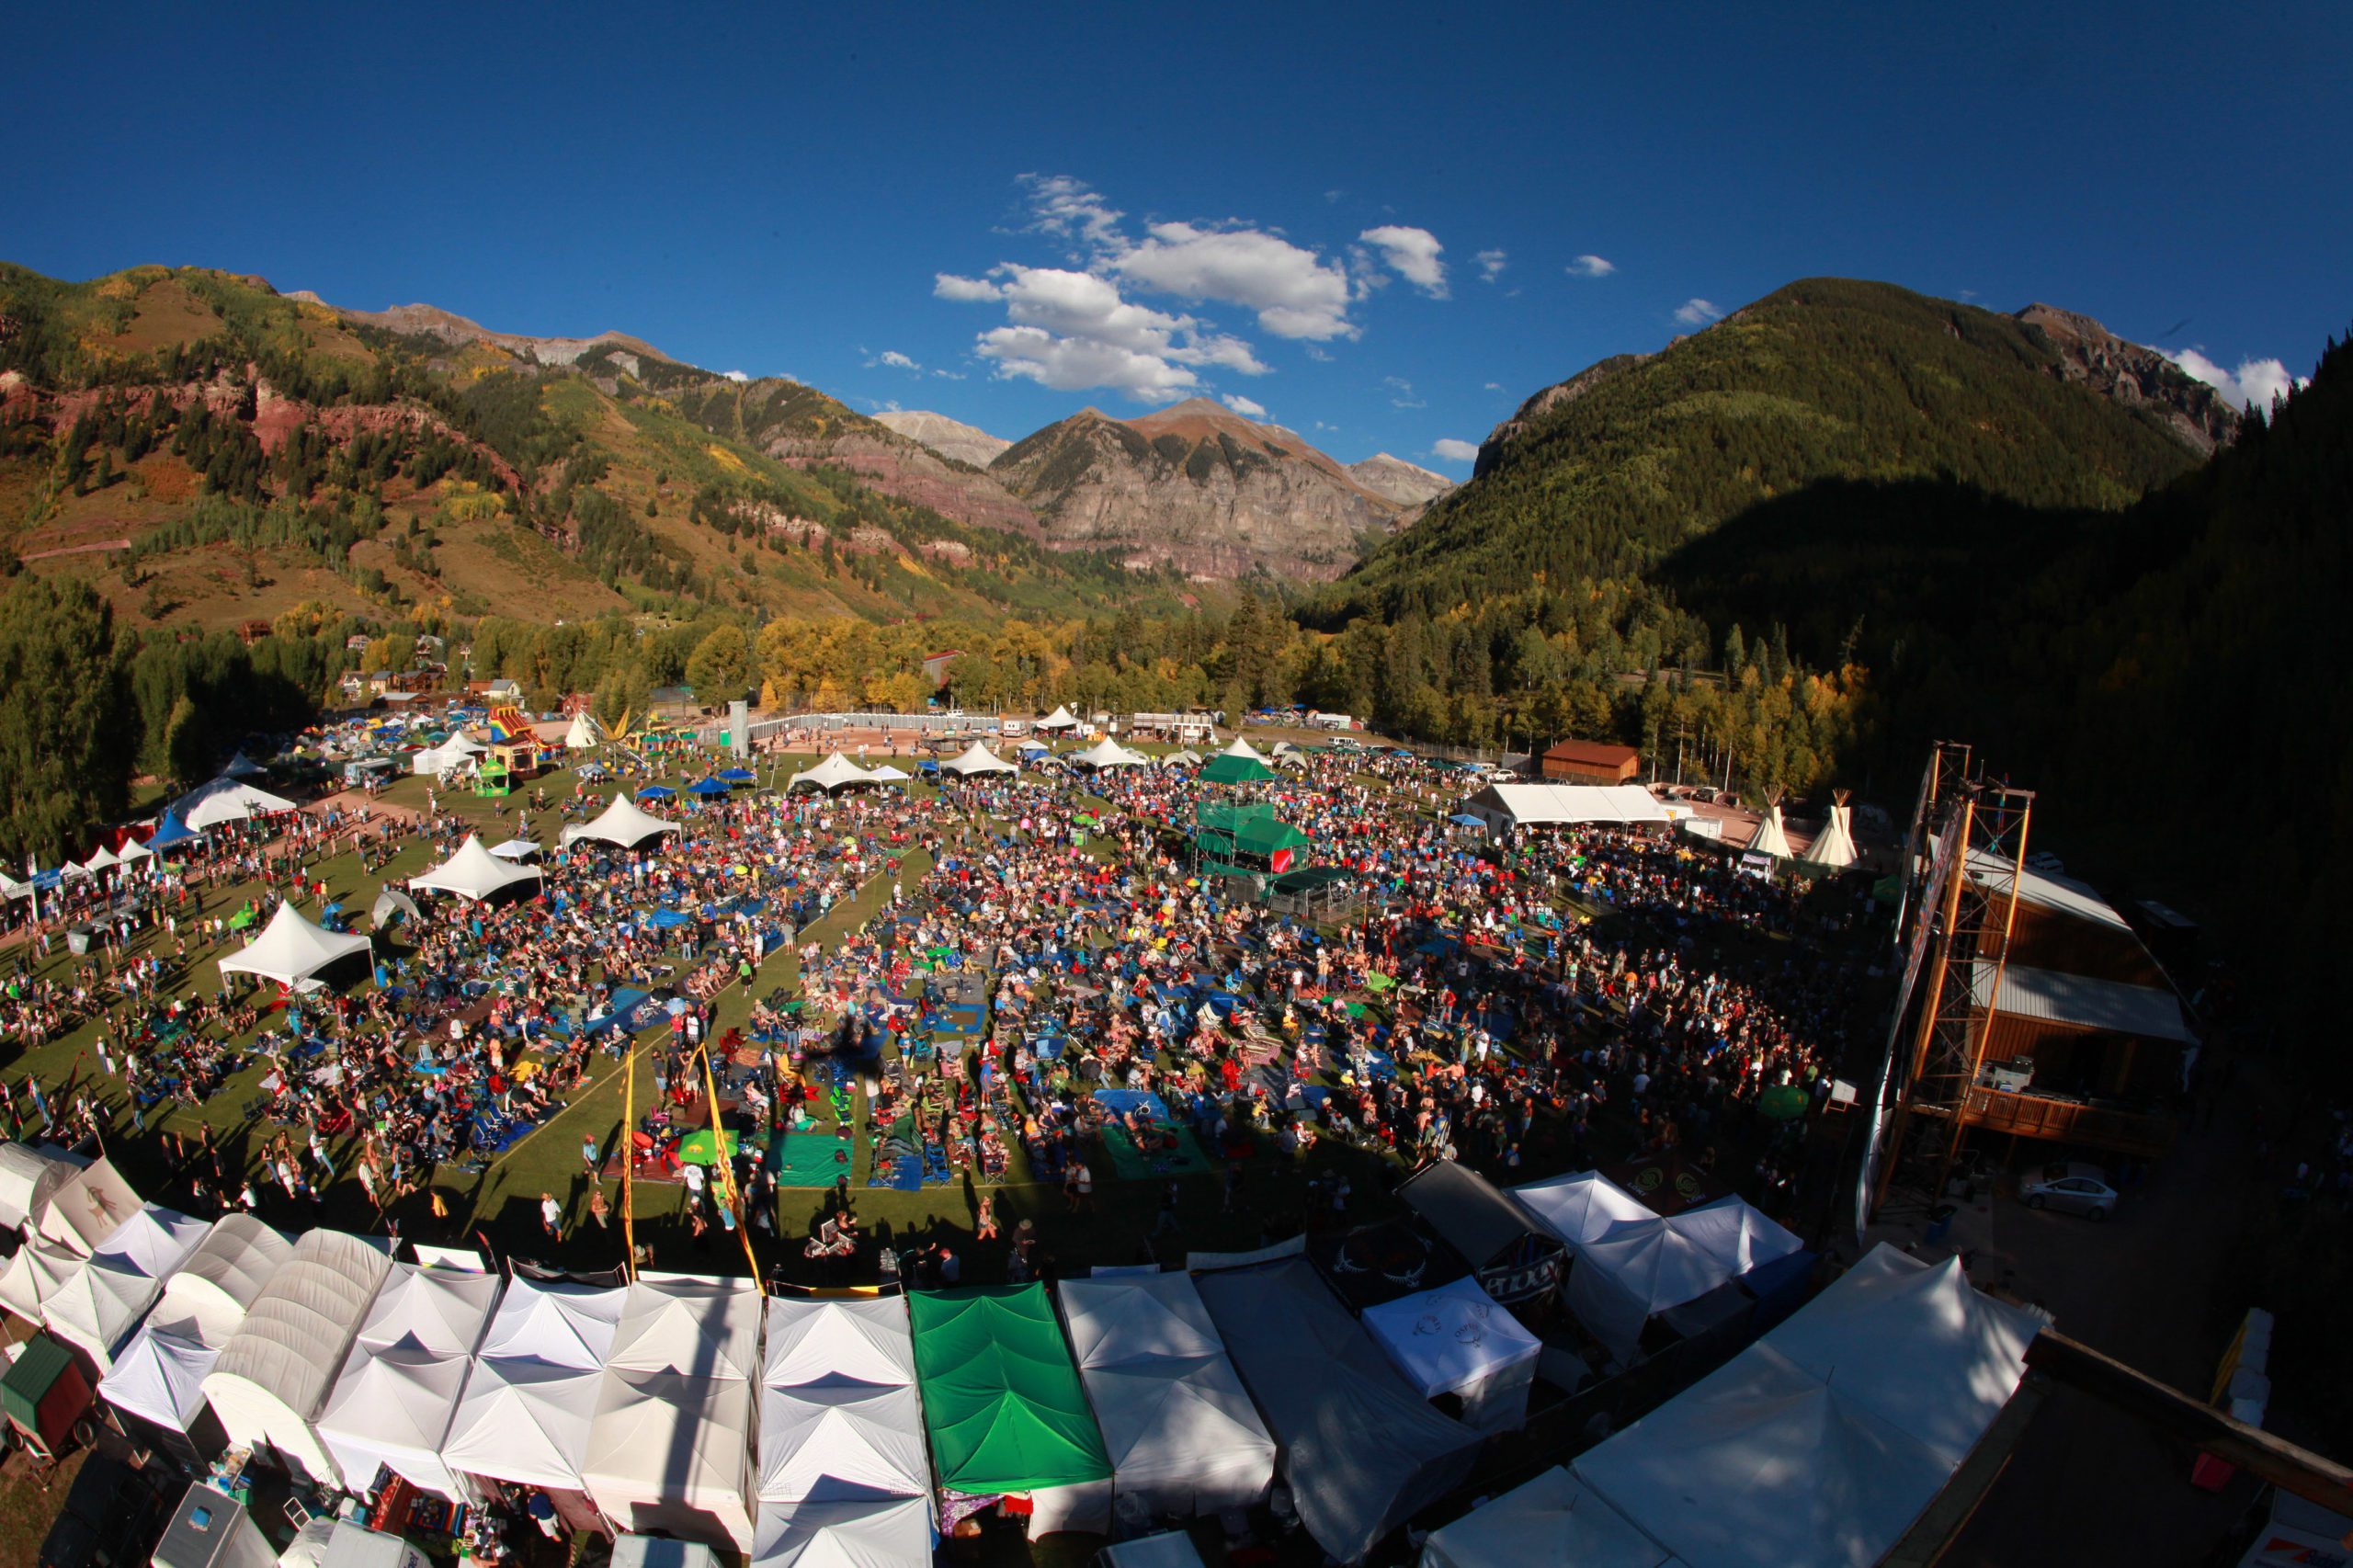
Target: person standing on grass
x=550 y=1217
x=984 y=1223
x=588 y=1154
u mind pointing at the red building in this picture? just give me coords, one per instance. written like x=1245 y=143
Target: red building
x=1592 y=762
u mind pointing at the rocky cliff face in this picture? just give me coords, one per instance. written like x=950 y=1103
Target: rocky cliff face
x=2091 y=356
x=951 y=439
x=1499 y=439
x=1402 y=481
x=1197 y=488
x=431 y=321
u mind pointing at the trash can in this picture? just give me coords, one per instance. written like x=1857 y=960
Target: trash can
x=1940 y=1221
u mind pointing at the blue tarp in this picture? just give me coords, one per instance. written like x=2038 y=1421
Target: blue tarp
x=617 y=1014
x=1120 y=1102
x=671 y=919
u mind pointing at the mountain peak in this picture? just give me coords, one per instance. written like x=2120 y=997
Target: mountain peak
x=949 y=437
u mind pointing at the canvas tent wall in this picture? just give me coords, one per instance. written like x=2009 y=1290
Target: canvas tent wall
x=839 y=1415
x=473 y=873
x=670 y=1449
x=1457 y=1340
x=1554 y=1521
x=274 y=1374
x=1361 y=1450
x=1059 y=718
x=206 y=1298
x=391 y=1404
x=293 y=951
x=1004 y=1406
x=1108 y=753
x=26 y=1179
x=1182 y=1435
x=864 y=1532
x=101 y=1304
x=86 y=1208
x=623 y=824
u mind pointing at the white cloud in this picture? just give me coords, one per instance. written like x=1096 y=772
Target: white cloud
x=1244 y=406
x=2256 y=383
x=1070 y=207
x=1400 y=392
x=948 y=375
x=734 y=375
x=898 y=361
x=1591 y=267
x=948 y=286
x=1412 y=254
x=1448 y=449
x=1696 y=312
x=1296 y=292
x=1492 y=264
x=1494 y=386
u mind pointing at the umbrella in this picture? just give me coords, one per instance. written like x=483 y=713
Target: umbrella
x=702 y=1148
x=656 y=792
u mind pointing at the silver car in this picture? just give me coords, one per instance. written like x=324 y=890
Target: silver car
x=2071 y=1189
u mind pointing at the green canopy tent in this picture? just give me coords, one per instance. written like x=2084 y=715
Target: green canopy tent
x=1227 y=768
x=1004 y=1406
x=1249 y=839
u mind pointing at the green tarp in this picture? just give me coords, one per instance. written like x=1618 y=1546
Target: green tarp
x=1001 y=1399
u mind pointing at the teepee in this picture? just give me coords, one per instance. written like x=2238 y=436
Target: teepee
x=1832 y=848
x=1771 y=838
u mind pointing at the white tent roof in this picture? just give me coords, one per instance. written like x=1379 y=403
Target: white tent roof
x=829 y=1440
x=523 y=1420
x=1455 y=1339
x=583 y=733
x=1108 y=753
x=473 y=873
x=274 y=1375
x=291 y=949
x=1582 y=1207
x=206 y=1298
x=392 y=1408
x=1624 y=1277
x=696 y=1328
x=86 y=1208
x=160 y=1376
x=977 y=758
x=1538 y=805
x=1915 y=1345
x=1771 y=838
x=622 y=822
x=1554 y=1521
x=36 y=1271
x=887 y=774
x=1834 y=846
x=461 y=746
x=880 y=1532
x=1761 y=1464
x=674 y=1454
x=26 y=1179
x=439 y=1312
x=102 y=1302
x=835 y=773
x=226 y=799
x=563 y=1325
x=1238 y=746
x=132 y=850
x=1182 y=1433
x=516 y=850
x=101 y=859
x=1059 y=718
x=862 y=1341
x=242 y=767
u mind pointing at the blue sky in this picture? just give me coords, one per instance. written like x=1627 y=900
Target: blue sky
x=1383 y=226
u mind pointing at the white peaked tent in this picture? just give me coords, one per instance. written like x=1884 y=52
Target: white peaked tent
x=1833 y=847
x=516 y=850
x=1554 y=1521
x=86 y=1208
x=1183 y=1435
x=101 y=859
x=1456 y=1340
x=1761 y=1464
x=102 y=1302
x=670 y=1448
x=1240 y=747
x=26 y=1179
x=242 y=767
x=585 y=733
x=836 y=772
x=1625 y=1277
x=868 y=1532
x=391 y=1404
x=977 y=758
x=1108 y=753
x=473 y=873
x=623 y=823
x=1582 y=1207
x=523 y=1421
x=36 y=1271
x=292 y=950
x=563 y=1326
x=839 y=1415
x=159 y=1377
x=206 y=1298
x=1771 y=838
x=887 y=774
x=133 y=852
x=274 y=1375
x=226 y=799
x=1059 y=718
x=1915 y=1345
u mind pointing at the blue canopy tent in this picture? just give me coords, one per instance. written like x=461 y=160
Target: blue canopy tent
x=170 y=833
x=707 y=787
x=1464 y=819
x=737 y=776
x=657 y=792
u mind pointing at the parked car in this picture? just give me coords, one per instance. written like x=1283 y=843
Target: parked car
x=2071 y=1188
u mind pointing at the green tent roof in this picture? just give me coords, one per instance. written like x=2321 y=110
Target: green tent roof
x=1227 y=770
x=1001 y=1398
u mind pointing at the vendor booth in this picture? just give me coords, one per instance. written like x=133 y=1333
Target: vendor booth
x=1514 y=1258
x=854 y=1532
x=391 y=1404
x=670 y=1449
x=274 y=1374
x=1457 y=1342
x=1554 y=1521
x=532 y=1393
x=101 y=1304
x=839 y=1415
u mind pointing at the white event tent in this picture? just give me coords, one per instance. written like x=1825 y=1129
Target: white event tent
x=473 y=873
x=37 y=1270
x=1502 y=806
x=273 y=1376
x=839 y=1415
x=670 y=1449
x=836 y=772
x=292 y=950
x=100 y=1305
x=1554 y=1521
x=86 y=1208
x=977 y=758
x=159 y=1377
x=1637 y=1268
x=623 y=823
x=860 y=1532
x=1183 y=1435
x=1108 y=753
x=585 y=733
x=1242 y=748
x=206 y=1297
x=1457 y=1340
x=226 y=799
x=1059 y=718
x=26 y=1179
x=531 y=1394
x=393 y=1401
x=459 y=748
